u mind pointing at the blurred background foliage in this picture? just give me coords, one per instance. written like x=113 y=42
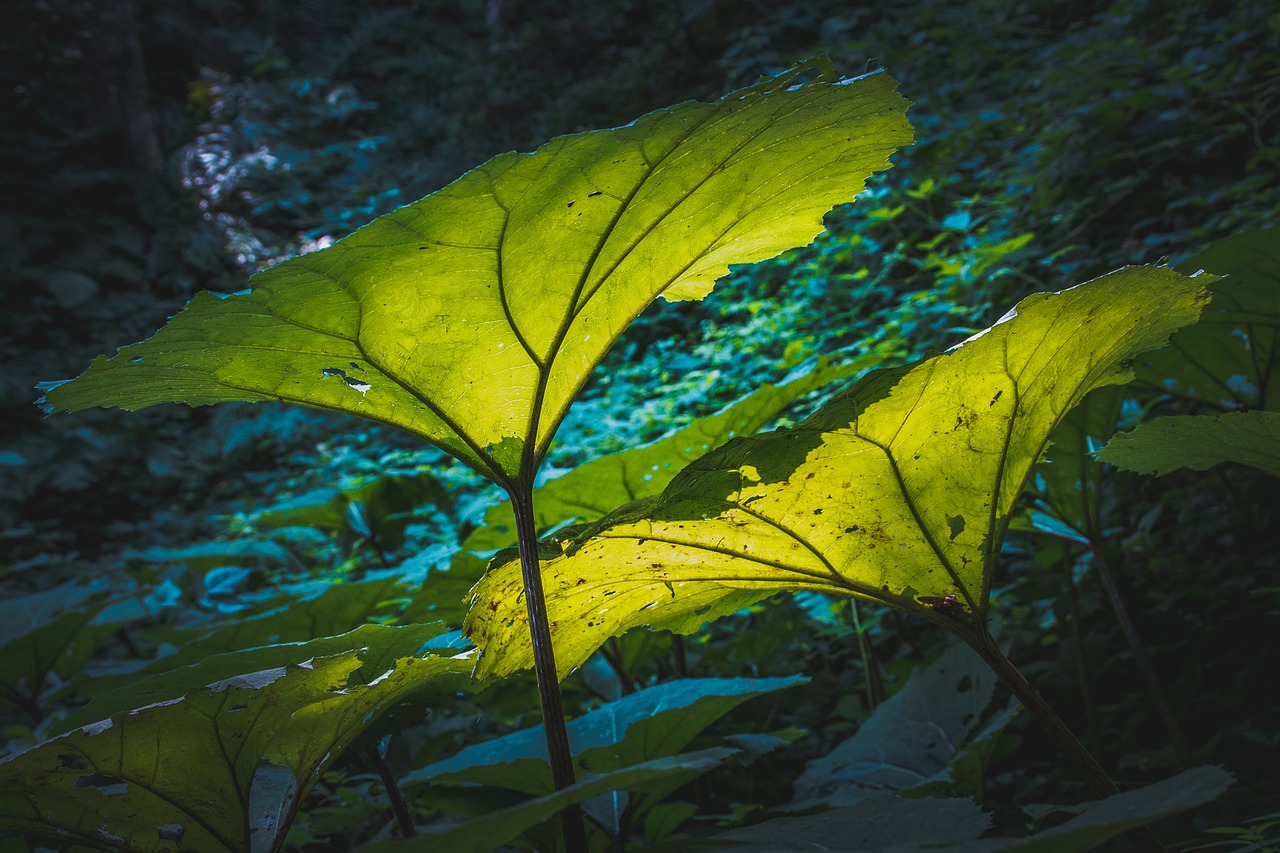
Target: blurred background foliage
x=153 y=149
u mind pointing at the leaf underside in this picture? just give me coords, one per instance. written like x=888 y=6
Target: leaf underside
x=894 y=492
x=473 y=317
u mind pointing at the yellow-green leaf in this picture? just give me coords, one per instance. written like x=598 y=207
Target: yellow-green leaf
x=595 y=488
x=472 y=317
x=897 y=495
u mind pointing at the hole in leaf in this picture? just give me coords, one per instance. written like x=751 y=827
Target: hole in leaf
x=171 y=831
x=108 y=786
x=361 y=386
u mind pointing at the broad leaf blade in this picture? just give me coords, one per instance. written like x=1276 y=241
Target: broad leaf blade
x=899 y=825
x=885 y=822
x=910 y=741
x=1226 y=359
x=473 y=317
x=1198 y=441
x=188 y=764
x=194 y=762
x=651 y=723
x=497 y=828
x=1105 y=819
x=901 y=498
x=161 y=683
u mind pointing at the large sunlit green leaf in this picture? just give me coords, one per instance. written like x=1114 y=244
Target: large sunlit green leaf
x=1227 y=359
x=594 y=489
x=473 y=317
x=1198 y=441
x=221 y=767
x=895 y=492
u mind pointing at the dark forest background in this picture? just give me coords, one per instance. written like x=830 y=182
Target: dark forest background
x=152 y=149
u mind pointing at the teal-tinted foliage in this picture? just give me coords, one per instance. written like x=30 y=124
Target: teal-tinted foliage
x=173 y=554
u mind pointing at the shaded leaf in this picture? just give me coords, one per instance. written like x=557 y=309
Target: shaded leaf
x=1226 y=359
x=497 y=828
x=194 y=764
x=379 y=508
x=593 y=489
x=911 y=741
x=890 y=823
x=1198 y=441
x=1068 y=481
x=651 y=723
x=472 y=317
x=335 y=609
x=881 y=823
x=383 y=645
x=899 y=495
x=210 y=555
x=170 y=765
x=1105 y=819
x=52 y=631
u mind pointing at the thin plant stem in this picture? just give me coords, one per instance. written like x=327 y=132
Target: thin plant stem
x=682 y=663
x=613 y=657
x=394 y=796
x=1077 y=640
x=1081 y=760
x=1155 y=691
x=870 y=668
x=544 y=664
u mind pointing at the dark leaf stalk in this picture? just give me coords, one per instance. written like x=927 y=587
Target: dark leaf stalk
x=553 y=722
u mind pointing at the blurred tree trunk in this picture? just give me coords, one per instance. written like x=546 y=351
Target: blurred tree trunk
x=116 y=86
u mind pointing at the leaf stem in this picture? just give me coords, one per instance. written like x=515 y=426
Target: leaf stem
x=1077 y=641
x=544 y=663
x=1155 y=691
x=394 y=796
x=681 y=662
x=870 y=669
x=1082 y=761
x=613 y=657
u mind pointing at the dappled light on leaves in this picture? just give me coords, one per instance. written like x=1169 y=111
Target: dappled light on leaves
x=900 y=495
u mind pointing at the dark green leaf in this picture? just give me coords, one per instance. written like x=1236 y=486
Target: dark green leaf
x=1200 y=442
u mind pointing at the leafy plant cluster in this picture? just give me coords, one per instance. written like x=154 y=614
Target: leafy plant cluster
x=368 y=522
